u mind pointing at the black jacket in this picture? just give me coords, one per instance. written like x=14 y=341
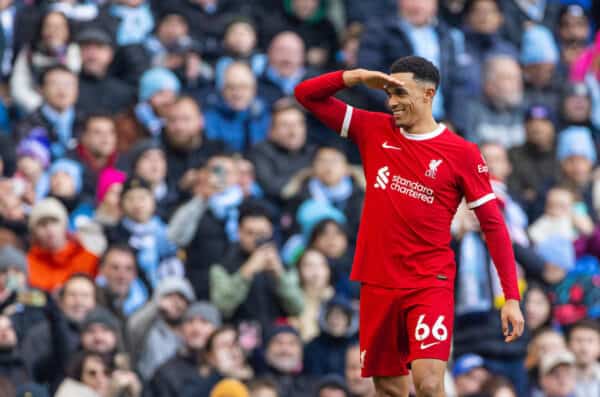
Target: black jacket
x=109 y=94
x=12 y=367
x=171 y=377
x=275 y=166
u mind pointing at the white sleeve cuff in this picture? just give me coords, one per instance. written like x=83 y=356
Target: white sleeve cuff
x=480 y=201
x=346 y=123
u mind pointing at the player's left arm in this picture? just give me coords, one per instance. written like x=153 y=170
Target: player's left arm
x=475 y=182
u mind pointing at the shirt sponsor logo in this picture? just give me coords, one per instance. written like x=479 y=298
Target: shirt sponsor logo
x=482 y=168
x=412 y=189
x=433 y=167
x=382 y=179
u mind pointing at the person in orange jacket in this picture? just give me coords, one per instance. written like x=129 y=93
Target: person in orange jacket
x=54 y=254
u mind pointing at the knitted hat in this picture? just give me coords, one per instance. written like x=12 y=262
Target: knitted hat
x=538 y=46
x=175 y=284
x=576 y=141
x=36 y=149
x=142 y=147
x=69 y=167
x=100 y=315
x=47 y=208
x=11 y=257
x=230 y=388
x=312 y=212
x=107 y=178
x=156 y=80
x=204 y=310
x=539 y=112
x=280 y=329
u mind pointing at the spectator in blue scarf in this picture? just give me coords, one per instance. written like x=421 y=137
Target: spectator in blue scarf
x=135 y=21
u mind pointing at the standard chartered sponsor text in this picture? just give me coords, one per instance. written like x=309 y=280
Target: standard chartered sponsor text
x=412 y=189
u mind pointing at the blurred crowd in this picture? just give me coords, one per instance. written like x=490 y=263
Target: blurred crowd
x=172 y=223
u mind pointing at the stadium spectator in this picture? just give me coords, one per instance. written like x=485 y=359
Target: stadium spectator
x=326 y=353
x=263 y=388
x=538 y=307
x=284 y=153
x=146 y=234
x=539 y=58
x=576 y=107
x=158 y=89
x=184 y=143
x=315 y=280
x=33 y=158
x=199 y=322
x=498 y=115
x=135 y=21
x=469 y=375
x=557 y=374
x=283 y=362
x=584 y=342
x=148 y=161
x=237 y=117
x=12 y=363
x=285 y=67
x=108 y=197
x=98 y=90
x=536 y=157
x=153 y=331
x=96 y=150
x=251 y=282
x=54 y=255
x=56 y=113
x=332 y=386
x=225 y=355
x=207 y=224
x=119 y=288
x=13 y=274
x=51 y=45
x=519 y=15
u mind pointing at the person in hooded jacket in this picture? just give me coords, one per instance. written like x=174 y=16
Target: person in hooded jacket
x=326 y=354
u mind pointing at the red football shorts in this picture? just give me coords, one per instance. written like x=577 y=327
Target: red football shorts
x=398 y=326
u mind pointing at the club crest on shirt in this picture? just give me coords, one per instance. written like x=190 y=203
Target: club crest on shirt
x=433 y=167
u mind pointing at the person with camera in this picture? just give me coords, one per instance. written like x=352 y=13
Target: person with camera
x=251 y=283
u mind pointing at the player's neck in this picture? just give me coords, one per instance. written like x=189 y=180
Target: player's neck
x=424 y=127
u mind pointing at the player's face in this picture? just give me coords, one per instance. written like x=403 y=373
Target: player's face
x=411 y=101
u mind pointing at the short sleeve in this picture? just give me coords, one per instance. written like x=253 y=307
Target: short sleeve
x=474 y=178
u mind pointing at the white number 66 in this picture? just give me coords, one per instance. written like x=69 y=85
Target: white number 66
x=439 y=330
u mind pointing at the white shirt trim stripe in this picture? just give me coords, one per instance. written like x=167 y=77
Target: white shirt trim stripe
x=428 y=135
x=481 y=200
x=346 y=123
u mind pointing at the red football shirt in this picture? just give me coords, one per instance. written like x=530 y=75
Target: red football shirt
x=414 y=186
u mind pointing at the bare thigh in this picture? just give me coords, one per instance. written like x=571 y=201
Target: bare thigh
x=392 y=386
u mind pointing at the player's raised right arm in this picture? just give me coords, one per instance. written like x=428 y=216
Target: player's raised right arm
x=317 y=95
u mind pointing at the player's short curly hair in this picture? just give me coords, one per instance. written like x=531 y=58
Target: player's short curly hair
x=421 y=68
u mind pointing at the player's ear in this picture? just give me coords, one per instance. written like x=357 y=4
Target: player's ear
x=428 y=94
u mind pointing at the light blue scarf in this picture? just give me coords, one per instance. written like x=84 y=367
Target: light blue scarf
x=135 y=25
x=335 y=195
x=63 y=126
x=473 y=293
x=224 y=206
x=286 y=84
x=146 y=116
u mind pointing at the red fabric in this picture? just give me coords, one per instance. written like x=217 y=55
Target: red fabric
x=414 y=187
x=49 y=270
x=398 y=326
x=89 y=160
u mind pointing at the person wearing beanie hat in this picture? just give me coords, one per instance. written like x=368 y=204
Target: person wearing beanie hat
x=539 y=58
x=13 y=268
x=576 y=141
x=283 y=357
x=326 y=354
x=230 y=388
x=145 y=233
x=332 y=385
x=54 y=255
x=154 y=331
x=33 y=158
x=469 y=374
x=108 y=196
x=251 y=283
x=158 y=90
x=200 y=321
x=12 y=258
x=100 y=332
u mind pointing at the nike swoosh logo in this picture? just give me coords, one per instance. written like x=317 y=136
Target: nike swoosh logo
x=386 y=146
x=424 y=346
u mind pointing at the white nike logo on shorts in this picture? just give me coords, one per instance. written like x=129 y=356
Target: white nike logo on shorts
x=386 y=146
x=424 y=346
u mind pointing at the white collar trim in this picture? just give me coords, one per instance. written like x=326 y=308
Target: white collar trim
x=428 y=135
